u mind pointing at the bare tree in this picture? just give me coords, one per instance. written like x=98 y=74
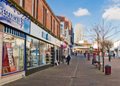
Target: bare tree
x=108 y=44
x=102 y=33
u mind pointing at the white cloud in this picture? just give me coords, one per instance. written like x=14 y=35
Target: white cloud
x=116 y=1
x=112 y=13
x=81 y=12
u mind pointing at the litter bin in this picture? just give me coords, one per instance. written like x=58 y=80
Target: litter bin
x=107 y=70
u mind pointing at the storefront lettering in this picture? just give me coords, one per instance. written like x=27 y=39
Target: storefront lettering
x=9 y=15
x=46 y=36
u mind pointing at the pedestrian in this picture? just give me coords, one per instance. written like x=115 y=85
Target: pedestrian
x=94 y=58
x=76 y=53
x=114 y=55
x=88 y=55
x=68 y=59
x=85 y=54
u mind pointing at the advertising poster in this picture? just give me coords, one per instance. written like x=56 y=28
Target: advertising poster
x=8 y=60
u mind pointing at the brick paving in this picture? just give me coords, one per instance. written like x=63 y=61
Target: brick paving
x=80 y=72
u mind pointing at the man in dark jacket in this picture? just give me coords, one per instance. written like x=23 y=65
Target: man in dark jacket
x=68 y=59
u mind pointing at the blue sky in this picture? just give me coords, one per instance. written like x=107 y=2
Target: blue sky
x=67 y=7
x=87 y=12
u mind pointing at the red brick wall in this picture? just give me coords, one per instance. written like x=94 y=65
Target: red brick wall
x=40 y=11
x=28 y=6
x=17 y=1
x=41 y=3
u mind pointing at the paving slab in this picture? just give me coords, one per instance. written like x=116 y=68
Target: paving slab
x=80 y=72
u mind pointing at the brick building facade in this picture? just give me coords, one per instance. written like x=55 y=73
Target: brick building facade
x=66 y=34
x=40 y=10
x=30 y=38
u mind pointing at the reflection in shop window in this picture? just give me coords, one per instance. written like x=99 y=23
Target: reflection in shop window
x=38 y=52
x=45 y=53
x=33 y=55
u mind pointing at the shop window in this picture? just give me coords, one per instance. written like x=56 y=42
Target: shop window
x=13 y=54
x=43 y=47
x=7 y=30
x=12 y=31
x=45 y=53
x=33 y=54
x=38 y=52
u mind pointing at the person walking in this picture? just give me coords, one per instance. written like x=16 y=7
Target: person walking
x=85 y=54
x=88 y=55
x=68 y=59
x=94 y=58
x=114 y=55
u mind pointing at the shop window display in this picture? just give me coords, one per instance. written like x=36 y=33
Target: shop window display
x=33 y=54
x=48 y=54
x=43 y=47
x=13 y=54
x=38 y=52
x=45 y=53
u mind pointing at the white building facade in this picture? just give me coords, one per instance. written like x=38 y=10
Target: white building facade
x=78 y=33
x=116 y=48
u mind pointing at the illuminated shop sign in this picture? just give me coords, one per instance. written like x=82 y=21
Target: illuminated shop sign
x=9 y=15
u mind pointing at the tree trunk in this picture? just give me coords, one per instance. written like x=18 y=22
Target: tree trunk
x=103 y=60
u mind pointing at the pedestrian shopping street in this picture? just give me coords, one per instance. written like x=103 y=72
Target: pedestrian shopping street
x=80 y=72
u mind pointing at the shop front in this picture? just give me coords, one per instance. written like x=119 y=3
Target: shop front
x=38 y=49
x=24 y=46
x=13 y=29
x=12 y=52
x=38 y=52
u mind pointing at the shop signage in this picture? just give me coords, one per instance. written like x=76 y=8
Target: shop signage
x=46 y=36
x=36 y=30
x=39 y=32
x=10 y=16
x=49 y=37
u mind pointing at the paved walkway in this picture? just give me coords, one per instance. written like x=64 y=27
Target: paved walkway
x=80 y=72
